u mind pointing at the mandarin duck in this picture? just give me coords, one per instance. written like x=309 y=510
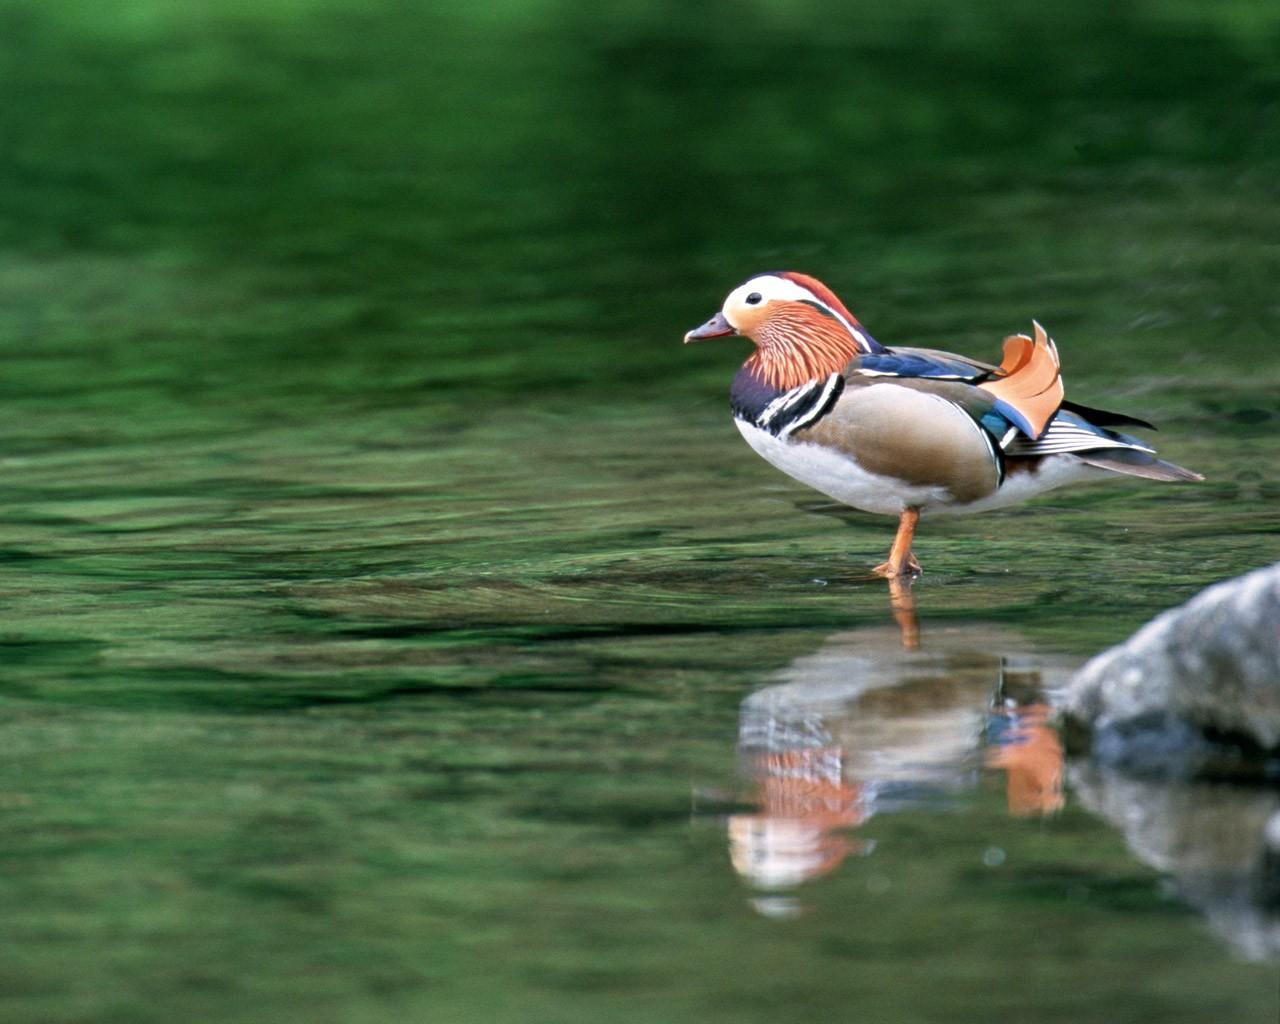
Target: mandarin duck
x=910 y=431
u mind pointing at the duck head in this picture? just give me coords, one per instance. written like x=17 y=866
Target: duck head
x=801 y=330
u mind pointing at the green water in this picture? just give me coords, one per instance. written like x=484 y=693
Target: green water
x=382 y=580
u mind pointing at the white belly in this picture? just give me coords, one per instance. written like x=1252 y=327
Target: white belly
x=836 y=475
x=841 y=478
x=1053 y=471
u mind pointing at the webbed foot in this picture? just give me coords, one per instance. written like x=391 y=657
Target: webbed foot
x=891 y=570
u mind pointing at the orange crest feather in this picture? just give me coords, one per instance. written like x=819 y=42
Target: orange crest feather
x=824 y=294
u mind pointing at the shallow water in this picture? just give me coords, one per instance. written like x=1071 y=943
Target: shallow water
x=393 y=614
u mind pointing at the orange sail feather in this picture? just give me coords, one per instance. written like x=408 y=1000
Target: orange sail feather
x=1030 y=379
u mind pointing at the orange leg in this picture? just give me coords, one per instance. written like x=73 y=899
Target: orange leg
x=901 y=561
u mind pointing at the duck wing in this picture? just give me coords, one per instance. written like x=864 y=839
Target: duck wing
x=940 y=365
x=1020 y=404
x=1026 y=387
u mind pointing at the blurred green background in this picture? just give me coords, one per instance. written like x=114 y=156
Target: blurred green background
x=380 y=573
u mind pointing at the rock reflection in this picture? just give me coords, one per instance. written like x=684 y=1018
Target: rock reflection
x=1219 y=844
x=863 y=727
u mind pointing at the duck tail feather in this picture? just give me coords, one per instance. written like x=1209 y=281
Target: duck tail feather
x=1135 y=463
x=1104 y=418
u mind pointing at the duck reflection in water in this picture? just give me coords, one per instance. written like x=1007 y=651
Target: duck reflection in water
x=864 y=727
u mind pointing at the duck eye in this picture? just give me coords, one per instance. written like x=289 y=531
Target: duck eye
x=753 y=299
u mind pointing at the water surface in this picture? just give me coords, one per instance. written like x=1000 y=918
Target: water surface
x=390 y=603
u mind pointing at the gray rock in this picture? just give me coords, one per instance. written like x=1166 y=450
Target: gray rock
x=1209 y=668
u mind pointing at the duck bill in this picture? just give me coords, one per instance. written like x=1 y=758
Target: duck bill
x=716 y=327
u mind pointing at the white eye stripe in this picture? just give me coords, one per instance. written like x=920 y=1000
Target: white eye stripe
x=770 y=287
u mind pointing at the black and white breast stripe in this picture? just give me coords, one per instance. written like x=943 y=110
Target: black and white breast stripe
x=800 y=407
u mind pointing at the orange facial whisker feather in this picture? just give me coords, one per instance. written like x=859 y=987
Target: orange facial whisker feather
x=796 y=345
